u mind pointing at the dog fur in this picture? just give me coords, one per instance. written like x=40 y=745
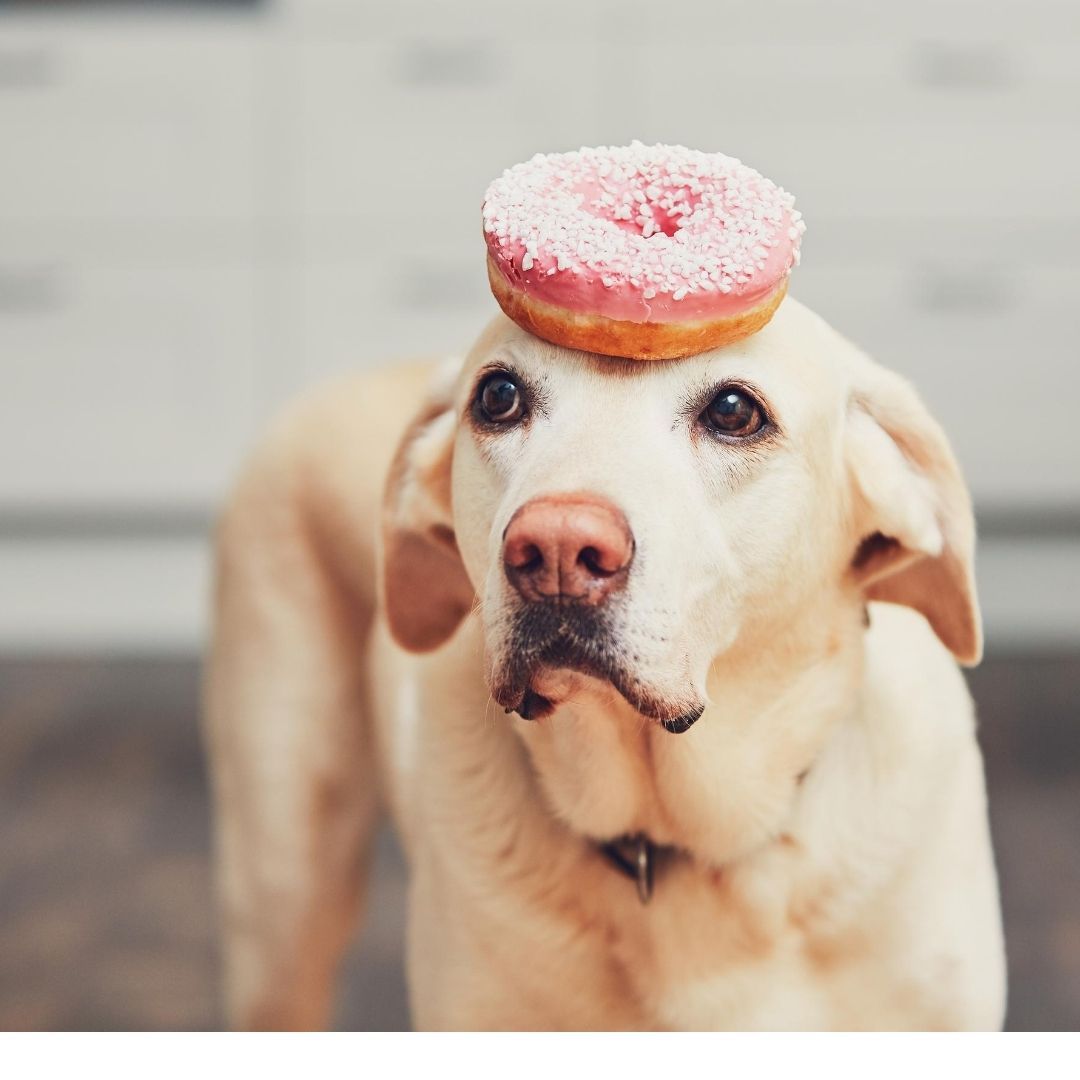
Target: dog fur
x=824 y=859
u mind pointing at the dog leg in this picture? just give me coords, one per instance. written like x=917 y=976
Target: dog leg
x=292 y=766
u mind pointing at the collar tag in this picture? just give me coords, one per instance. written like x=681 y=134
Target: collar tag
x=633 y=855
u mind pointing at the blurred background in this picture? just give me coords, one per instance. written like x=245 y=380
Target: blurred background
x=207 y=206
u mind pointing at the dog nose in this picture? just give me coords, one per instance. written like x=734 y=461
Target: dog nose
x=567 y=547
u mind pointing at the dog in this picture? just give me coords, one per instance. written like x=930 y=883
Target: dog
x=652 y=664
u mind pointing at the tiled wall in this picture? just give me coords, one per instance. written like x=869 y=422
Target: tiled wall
x=204 y=207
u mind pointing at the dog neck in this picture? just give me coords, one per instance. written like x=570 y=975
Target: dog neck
x=729 y=784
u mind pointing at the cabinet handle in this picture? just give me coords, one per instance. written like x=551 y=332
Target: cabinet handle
x=31 y=288
x=473 y=62
x=430 y=286
x=963 y=291
x=27 y=68
x=942 y=65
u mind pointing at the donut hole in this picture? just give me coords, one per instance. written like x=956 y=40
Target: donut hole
x=669 y=223
x=662 y=221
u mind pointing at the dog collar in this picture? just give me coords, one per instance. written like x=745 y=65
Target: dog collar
x=633 y=856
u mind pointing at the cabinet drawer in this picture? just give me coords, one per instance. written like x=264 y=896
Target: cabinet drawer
x=934 y=80
x=130 y=382
x=118 y=125
x=879 y=128
x=354 y=314
x=384 y=132
x=993 y=354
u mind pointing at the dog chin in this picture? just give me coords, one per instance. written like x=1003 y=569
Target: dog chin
x=551 y=645
x=545 y=688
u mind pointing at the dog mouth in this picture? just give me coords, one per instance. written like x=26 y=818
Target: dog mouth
x=560 y=636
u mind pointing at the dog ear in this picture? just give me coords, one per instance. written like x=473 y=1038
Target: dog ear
x=915 y=527
x=426 y=592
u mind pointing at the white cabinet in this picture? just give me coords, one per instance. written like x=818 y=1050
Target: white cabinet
x=130 y=198
x=413 y=131
x=124 y=382
x=356 y=315
x=879 y=127
x=985 y=341
x=204 y=208
x=145 y=121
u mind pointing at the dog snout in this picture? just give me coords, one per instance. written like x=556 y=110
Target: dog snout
x=569 y=547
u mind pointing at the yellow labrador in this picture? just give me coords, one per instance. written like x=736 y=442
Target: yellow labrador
x=650 y=665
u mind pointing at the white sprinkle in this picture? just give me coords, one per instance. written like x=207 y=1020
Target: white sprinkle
x=726 y=218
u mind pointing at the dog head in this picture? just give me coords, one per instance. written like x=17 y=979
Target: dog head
x=622 y=524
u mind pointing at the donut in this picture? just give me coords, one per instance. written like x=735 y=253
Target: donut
x=645 y=252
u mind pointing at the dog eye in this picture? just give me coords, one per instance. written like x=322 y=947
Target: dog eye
x=499 y=400
x=733 y=412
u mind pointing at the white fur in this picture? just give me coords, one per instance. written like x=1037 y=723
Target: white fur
x=834 y=866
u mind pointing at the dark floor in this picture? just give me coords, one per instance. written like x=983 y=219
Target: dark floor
x=105 y=902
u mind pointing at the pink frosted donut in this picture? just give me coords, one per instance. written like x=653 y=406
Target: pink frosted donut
x=650 y=252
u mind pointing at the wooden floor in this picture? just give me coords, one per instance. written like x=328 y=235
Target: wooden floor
x=106 y=918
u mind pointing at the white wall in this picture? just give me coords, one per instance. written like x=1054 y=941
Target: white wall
x=203 y=209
